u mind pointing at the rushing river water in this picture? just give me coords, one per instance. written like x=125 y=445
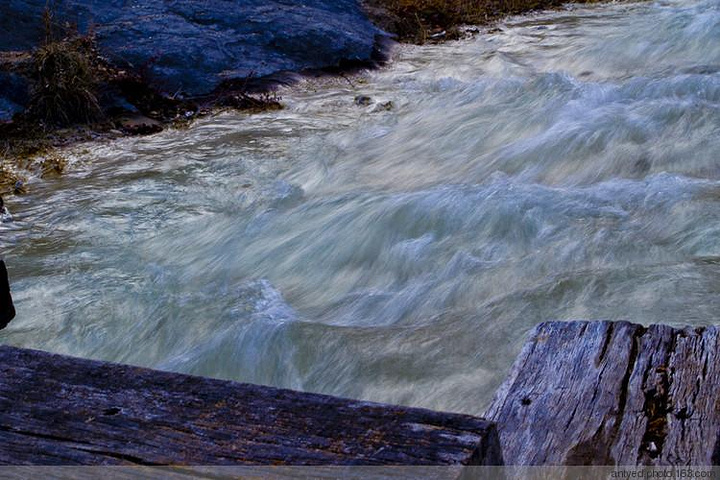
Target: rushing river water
x=564 y=167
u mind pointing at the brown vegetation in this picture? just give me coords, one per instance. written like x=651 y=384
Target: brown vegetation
x=418 y=21
x=65 y=78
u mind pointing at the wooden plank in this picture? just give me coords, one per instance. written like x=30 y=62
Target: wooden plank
x=57 y=410
x=606 y=393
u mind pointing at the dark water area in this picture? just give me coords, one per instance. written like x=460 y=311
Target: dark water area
x=564 y=167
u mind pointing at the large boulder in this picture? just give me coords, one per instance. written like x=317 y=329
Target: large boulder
x=191 y=46
x=14 y=95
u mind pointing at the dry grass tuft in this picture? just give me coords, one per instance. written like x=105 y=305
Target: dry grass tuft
x=66 y=80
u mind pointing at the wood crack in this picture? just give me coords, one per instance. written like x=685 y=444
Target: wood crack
x=606 y=343
x=656 y=407
x=44 y=436
x=124 y=457
x=613 y=394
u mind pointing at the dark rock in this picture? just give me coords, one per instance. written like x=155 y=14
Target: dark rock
x=139 y=125
x=387 y=106
x=5 y=215
x=113 y=101
x=14 y=96
x=19 y=188
x=7 y=309
x=8 y=108
x=185 y=46
x=363 y=100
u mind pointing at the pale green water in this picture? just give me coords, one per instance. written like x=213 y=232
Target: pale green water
x=567 y=167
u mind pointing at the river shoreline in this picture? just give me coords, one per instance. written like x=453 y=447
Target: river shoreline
x=139 y=79
x=29 y=147
x=561 y=167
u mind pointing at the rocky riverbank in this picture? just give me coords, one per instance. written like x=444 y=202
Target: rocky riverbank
x=185 y=49
x=153 y=64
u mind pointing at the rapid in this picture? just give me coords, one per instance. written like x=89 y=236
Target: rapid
x=562 y=166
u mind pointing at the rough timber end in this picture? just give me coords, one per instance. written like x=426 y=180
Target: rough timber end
x=604 y=393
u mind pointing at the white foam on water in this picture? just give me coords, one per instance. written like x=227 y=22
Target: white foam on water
x=564 y=167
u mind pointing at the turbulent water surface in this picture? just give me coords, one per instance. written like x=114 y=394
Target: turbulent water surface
x=563 y=167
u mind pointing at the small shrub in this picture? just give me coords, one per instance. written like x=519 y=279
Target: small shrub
x=64 y=91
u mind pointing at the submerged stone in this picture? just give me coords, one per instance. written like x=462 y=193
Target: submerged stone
x=5 y=215
x=14 y=95
x=139 y=125
x=363 y=100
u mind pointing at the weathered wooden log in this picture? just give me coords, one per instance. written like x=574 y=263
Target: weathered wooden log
x=612 y=394
x=56 y=410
